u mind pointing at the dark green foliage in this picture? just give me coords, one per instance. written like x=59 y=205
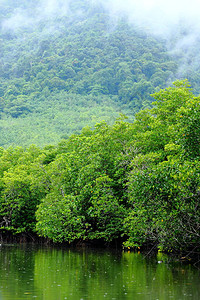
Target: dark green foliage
x=85 y=182
x=22 y=187
x=164 y=181
x=165 y=206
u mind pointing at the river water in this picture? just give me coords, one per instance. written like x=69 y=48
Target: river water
x=52 y=273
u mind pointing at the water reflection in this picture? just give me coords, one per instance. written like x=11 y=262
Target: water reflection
x=52 y=274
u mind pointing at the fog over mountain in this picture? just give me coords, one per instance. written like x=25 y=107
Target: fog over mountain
x=176 y=21
x=33 y=12
x=159 y=16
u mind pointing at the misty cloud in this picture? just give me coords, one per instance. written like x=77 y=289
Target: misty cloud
x=18 y=19
x=53 y=7
x=177 y=21
x=34 y=13
x=157 y=16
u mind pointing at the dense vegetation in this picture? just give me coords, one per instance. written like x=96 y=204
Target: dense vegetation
x=61 y=72
x=138 y=183
x=133 y=180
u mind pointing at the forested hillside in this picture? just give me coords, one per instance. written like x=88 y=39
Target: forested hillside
x=61 y=71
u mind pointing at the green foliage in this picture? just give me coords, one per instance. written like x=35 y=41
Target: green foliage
x=59 y=219
x=164 y=181
x=85 y=198
x=138 y=183
x=22 y=187
x=165 y=205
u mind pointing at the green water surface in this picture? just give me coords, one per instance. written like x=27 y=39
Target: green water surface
x=52 y=273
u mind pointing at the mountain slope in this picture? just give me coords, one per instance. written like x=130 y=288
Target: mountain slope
x=63 y=70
